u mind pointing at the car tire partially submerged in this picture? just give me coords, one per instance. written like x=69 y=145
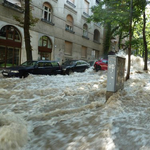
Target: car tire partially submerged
x=97 y=68
x=69 y=72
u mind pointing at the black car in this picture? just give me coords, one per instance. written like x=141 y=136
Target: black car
x=74 y=66
x=42 y=67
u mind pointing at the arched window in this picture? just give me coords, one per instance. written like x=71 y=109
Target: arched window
x=10 y=46
x=45 y=48
x=69 y=23
x=47 y=12
x=96 y=35
x=85 y=30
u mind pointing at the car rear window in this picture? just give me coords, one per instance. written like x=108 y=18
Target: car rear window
x=54 y=64
x=29 y=63
x=48 y=64
x=105 y=61
x=41 y=64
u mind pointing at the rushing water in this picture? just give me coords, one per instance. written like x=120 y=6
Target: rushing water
x=71 y=112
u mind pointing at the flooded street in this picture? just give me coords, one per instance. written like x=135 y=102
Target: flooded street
x=71 y=113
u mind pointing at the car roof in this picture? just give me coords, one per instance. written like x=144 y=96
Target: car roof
x=43 y=61
x=76 y=60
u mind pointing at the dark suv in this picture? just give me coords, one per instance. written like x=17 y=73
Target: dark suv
x=74 y=66
x=42 y=67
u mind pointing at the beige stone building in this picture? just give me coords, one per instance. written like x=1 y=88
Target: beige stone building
x=61 y=33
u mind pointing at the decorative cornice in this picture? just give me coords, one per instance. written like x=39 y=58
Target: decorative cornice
x=83 y=17
x=71 y=4
x=70 y=31
x=85 y=14
x=85 y=37
x=96 y=42
x=12 y=6
x=44 y=20
x=55 y=1
x=70 y=9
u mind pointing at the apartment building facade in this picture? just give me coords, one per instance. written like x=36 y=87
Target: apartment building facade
x=61 y=33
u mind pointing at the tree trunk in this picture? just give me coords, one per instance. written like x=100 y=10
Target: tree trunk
x=144 y=41
x=26 y=30
x=130 y=39
x=107 y=39
x=120 y=37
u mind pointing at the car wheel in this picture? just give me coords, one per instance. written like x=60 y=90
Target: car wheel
x=97 y=68
x=84 y=70
x=69 y=72
x=25 y=75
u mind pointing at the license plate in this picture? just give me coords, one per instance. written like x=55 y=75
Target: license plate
x=5 y=73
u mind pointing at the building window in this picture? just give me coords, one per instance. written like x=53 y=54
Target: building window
x=68 y=48
x=10 y=46
x=96 y=36
x=86 y=4
x=85 y=30
x=47 y=12
x=69 y=23
x=95 y=54
x=84 y=52
x=45 y=48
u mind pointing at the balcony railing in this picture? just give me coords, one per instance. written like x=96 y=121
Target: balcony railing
x=71 y=4
x=85 y=14
x=69 y=30
x=85 y=37
x=46 y=21
x=13 y=6
x=96 y=41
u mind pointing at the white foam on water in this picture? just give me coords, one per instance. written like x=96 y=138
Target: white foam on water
x=70 y=112
x=13 y=132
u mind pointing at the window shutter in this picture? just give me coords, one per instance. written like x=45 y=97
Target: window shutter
x=84 y=51
x=96 y=54
x=68 y=48
x=69 y=20
x=86 y=3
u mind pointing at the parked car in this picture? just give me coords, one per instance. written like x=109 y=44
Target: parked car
x=92 y=62
x=102 y=64
x=42 y=67
x=71 y=66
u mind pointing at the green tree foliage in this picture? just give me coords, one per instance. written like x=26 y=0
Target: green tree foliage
x=121 y=15
x=116 y=15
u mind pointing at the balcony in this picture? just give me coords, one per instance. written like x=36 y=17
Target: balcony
x=96 y=41
x=85 y=14
x=12 y=6
x=69 y=30
x=85 y=37
x=71 y=4
x=46 y=21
